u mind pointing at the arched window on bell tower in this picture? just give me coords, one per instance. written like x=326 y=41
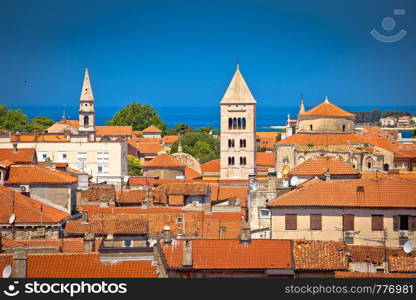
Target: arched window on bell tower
x=86 y=121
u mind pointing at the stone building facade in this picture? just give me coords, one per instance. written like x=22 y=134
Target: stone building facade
x=238 y=130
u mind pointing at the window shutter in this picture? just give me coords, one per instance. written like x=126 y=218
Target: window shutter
x=412 y=223
x=396 y=223
x=348 y=222
x=377 y=223
x=316 y=222
x=291 y=222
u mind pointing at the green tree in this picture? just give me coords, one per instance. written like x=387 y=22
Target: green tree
x=200 y=145
x=134 y=166
x=12 y=119
x=180 y=128
x=139 y=116
x=39 y=124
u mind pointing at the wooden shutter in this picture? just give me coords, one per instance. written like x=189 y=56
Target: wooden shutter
x=316 y=222
x=348 y=222
x=412 y=223
x=396 y=223
x=377 y=223
x=291 y=222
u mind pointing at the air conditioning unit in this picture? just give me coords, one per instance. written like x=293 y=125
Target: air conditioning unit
x=349 y=234
x=24 y=188
x=403 y=233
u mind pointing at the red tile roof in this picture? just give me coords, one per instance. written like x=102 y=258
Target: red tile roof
x=26 y=210
x=372 y=254
x=321 y=165
x=163 y=160
x=266 y=159
x=151 y=129
x=5 y=163
x=36 y=174
x=402 y=264
x=149 y=148
x=66 y=245
x=170 y=139
x=147 y=181
x=231 y=254
x=131 y=196
x=73 y=123
x=224 y=192
x=211 y=167
x=24 y=155
x=340 y=274
x=35 y=137
x=86 y=265
x=347 y=193
x=191 y=174
x=113 y=130
x=319 y=255
x=327 y=109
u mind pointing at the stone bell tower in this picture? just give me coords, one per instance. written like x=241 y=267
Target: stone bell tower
x=86 y=109
x=238 y=130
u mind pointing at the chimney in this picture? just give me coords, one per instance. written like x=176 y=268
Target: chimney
x=166 y=235
x=149 y=197
x=245 y=237
x=15 y=145
x=84 y=215
x=327 y=175
x=187 y=253
x=89 y=242
x=271 y=180
x=19 y=264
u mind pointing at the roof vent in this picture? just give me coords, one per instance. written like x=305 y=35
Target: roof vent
x=360 y=188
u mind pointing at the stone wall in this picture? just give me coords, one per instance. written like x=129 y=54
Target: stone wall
x=326 y=124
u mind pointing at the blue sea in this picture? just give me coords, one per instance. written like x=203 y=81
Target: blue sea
x=195 y=116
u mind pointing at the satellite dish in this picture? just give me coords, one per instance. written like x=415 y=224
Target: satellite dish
x=408 y=247
x=255 y=186
x=279 y=175
x=12 y=219
x=7 y=271
x=285 y=183
x=294 y=180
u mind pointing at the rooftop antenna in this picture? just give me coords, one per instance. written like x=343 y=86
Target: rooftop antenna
x=7 y=272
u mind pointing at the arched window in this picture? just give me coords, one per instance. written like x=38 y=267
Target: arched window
x=229 y=143
x=239 y=123
x=311 y=127
x=386 y=167
x=244 y=123
x=245 y=160
x=86 y=121
x=244 y=143
x=232 y=161
x=241 y=160
x=235 y=123
x=343 y=128
x=369 y=165
x=229 y=161
x=230 y=123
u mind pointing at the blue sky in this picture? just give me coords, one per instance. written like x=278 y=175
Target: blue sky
x=183 y=53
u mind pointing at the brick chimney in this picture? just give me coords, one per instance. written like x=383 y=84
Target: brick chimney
x=245 y=237
x=19 y=264
x=15 y=146
x=187 y=253
x=327 y=175
x=271 y=180
x=89 y=242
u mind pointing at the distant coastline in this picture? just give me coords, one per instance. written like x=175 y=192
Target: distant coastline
x=193 y=116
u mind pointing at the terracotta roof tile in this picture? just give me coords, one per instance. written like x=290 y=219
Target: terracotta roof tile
x=170 y=139
x=402 y=264
x=36 y=174
x=163 y=160
x=372 y=254
x=22 y=155
x=146 y=181
x=113 y=130
x=99 y=193
x=319 y=255
x=340 y=274
x=212 y=166
x=26 y=210
x=35 y=137
x=131 y=196
x=383 y=193
x=149 y=148
x=86 y=265
x=151 y=129
x=327 y=109
x=191 y=174
x=231 y=254
x=266 y=159
x=320 y=165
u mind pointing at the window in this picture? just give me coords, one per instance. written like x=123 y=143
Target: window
x=316 y=222
x=128 y=243
x=231 y=161
x=347 y=222
x=86 y=121
x=377 y=222
x=243 y=123
x=243 y=143
x=42 y=155
x=102 y=156
x=82 y=156
x=62 y=156
x=239 y=123
x=223 y=229
x=243 y=161
x=369 y=165
x=311 y=127
x=231 y=143
x=265 y=213
x=235 y=123
x=291 y=222
x=102 y=169
x=230 y=123
x=404 y=222
x=343 y=127
x=179 y=220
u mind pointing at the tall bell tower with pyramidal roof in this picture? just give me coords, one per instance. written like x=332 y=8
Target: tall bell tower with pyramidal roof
x=86 y=109
x=238 y=130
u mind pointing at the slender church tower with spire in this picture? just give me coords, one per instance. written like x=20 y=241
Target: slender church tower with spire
x=238 y=130
x=86 y=109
